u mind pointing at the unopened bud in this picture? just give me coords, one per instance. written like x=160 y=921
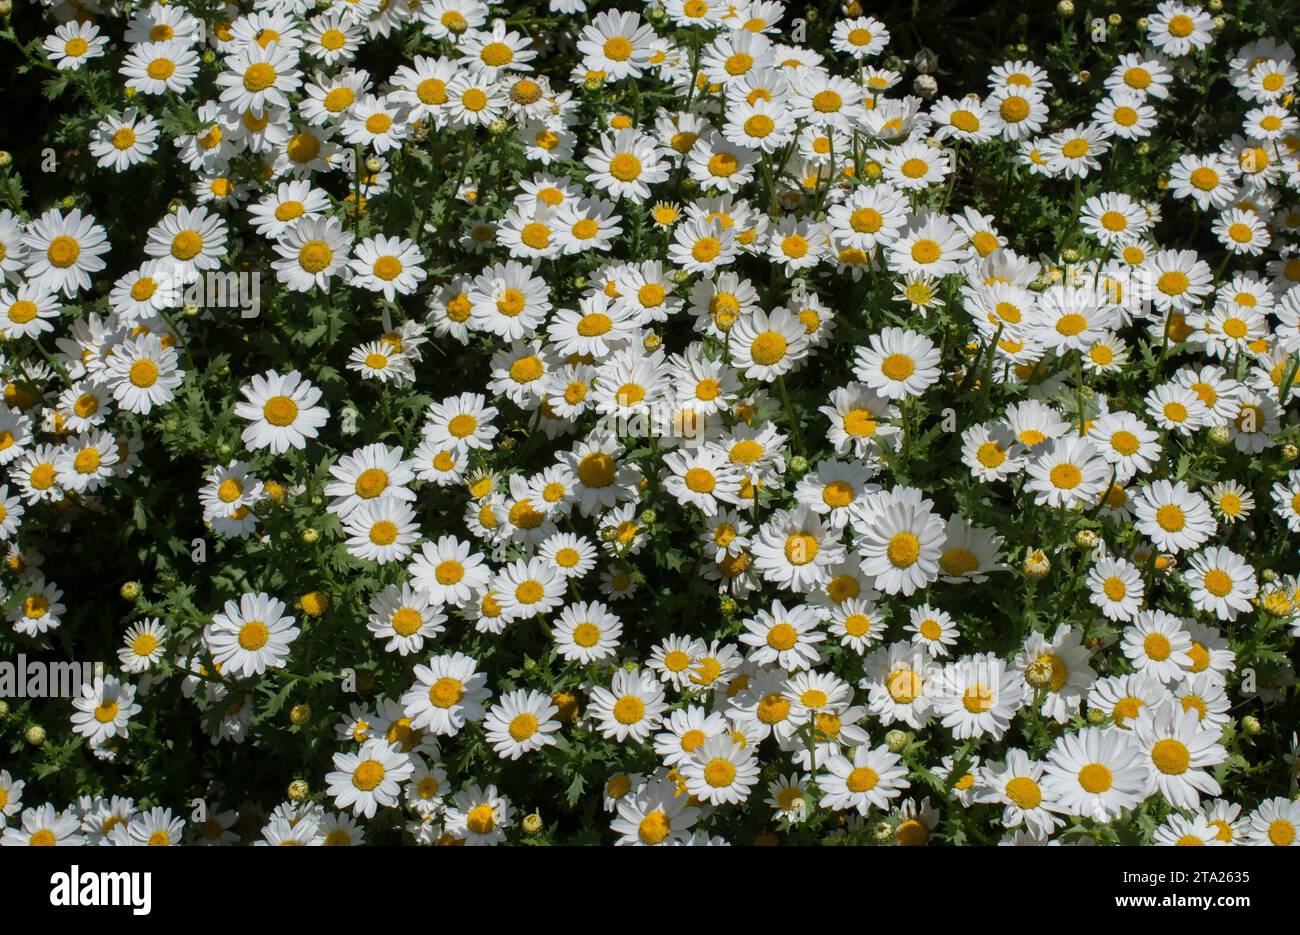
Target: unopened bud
x=298 y=790
x=1037 y=564
x=896 y=740
x=130 y=591
x=300 y=714
x=1251 y=725
x=34 y=735
x=532 y=823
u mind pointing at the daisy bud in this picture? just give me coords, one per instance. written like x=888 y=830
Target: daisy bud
x=882 y=832
x=925 y=86
x=1086 y=539
x=532 y=823
x=810 y=15
x=300 y=714
x=1039 y=673
x=209 y=56
x=1268 y=575
x=1251 y=725
x=728 y=606
x=679 y=276
x=1219 y=22
x=656 y=13
x=896 y=740
x=191 y=311
x=1290 y=452
x=1219 y=435
x=1114 y=19
x=648 y=516
x=373 y=164
x=310 y=536
x=1037 y=564
x=6 y=159
x=171 y=424
x=4 y=709
x=608 y=533
x=652 y=342
x=592 y=84
x=925 y=61
x=853 y=8
x=1143 y=23
x=298 y=790
x=1216 y=6
x=34 y=735
x=1070 y=255
x=498 y=126
x=130 y=590
x=1096 y=716
x=799 y=464
x=1065 y=8
x=1083 y=76
x=314 y=603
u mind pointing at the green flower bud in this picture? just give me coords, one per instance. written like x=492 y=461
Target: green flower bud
x=34 y=735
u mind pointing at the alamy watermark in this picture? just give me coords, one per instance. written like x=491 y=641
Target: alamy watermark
x=35 y=678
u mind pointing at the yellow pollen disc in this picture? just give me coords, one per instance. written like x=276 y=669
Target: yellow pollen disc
x=1095 y=778
x=446 y=692
x=904 y=550
x=253 y=635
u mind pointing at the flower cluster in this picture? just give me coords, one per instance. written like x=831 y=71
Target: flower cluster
x=682 y=423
